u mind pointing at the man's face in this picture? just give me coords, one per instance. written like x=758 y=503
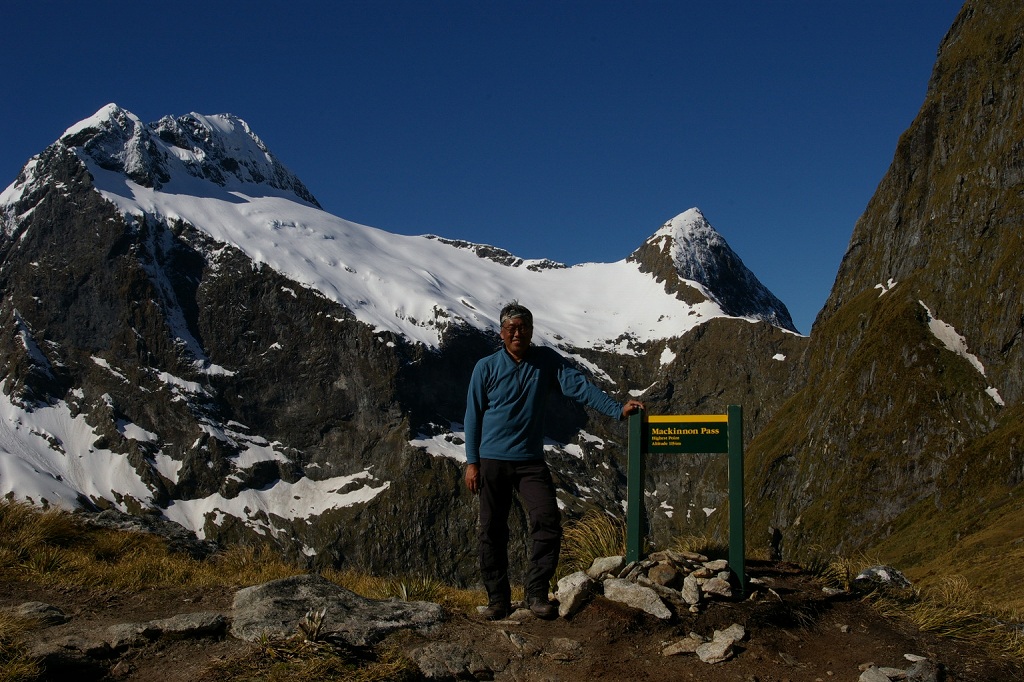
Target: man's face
x=516 y=334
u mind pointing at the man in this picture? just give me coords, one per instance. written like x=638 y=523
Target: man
x=505 y=452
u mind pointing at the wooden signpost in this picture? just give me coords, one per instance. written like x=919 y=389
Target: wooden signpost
x=687 y=434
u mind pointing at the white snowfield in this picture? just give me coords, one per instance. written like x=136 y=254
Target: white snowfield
x=407 y=286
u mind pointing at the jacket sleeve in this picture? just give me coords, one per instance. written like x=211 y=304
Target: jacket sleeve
x=575 y=385
x=476 y=403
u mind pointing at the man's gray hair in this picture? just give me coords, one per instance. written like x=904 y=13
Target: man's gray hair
x=513 y=310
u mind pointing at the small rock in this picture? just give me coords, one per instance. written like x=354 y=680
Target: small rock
x=130 y=635
x=691 y=590
x=636 y=596
x=873 y=674
x=637 y=569
x=717 y=586
x=445 y=660
x=573 y=592
x=788 y=659
x=881 y=577
x=924 y=671
x=46 y=615
x=693 y=556
x=606 y=566
x=522 y=644
x=715 y=651
x=717 y=565
x=735 y=632
x=122 y=669
x=565 y=644
x=663 y=574
x=687 y=645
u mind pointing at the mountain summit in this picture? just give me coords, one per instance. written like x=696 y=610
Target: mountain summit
x=219 y=149
x=188 y=334
x=691 y=250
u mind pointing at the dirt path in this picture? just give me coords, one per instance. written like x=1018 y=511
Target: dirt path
x=802 y=636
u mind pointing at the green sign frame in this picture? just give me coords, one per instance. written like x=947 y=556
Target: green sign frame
x=687 y=434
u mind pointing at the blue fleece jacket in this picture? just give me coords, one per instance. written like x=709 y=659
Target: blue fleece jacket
x=505 y=403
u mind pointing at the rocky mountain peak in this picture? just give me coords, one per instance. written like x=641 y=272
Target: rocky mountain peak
x=221 y=149
x=692 y=258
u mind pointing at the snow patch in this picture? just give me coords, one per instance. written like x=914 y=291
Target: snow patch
x=450 y=442
x=887 y=287
x=300 y=500
x=956 y=343
x=47 y=457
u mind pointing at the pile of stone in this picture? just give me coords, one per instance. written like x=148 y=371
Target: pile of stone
x=664 y=584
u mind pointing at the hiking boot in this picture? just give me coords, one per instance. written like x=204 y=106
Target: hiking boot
x=496 y=611
x=542 y=608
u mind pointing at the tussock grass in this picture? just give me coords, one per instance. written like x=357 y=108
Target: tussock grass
x=54 y=548
x=406 y=588
x=836 y=571
x=299 y=659
x=595 y=535
x=700 y=544
x=15 y=663
x=953 y=609
x=411 y=588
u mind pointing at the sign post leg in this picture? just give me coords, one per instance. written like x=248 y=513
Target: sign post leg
x=634 y=489
x=737 y=562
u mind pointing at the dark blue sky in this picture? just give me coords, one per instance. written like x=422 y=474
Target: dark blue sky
x=568 y=130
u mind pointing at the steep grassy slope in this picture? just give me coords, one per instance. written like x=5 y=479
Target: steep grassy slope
x=906 y=441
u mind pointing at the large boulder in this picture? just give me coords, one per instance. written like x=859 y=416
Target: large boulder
x=275 y=609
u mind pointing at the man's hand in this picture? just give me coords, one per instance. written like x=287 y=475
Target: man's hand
x=473 y=478
x=631 y=407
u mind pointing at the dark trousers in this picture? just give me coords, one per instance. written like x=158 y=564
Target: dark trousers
x=532 y=480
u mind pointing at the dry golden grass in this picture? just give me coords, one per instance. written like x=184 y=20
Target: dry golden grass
x=700 y=544
x=838 y=571
x=953 y=609
x=15 y=663
x=595 y=535
x=299 y=659
x=413 y=589
x=54 y=548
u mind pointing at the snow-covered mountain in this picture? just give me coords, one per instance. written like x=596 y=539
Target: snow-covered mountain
x=188 y=332
x=213 y=173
